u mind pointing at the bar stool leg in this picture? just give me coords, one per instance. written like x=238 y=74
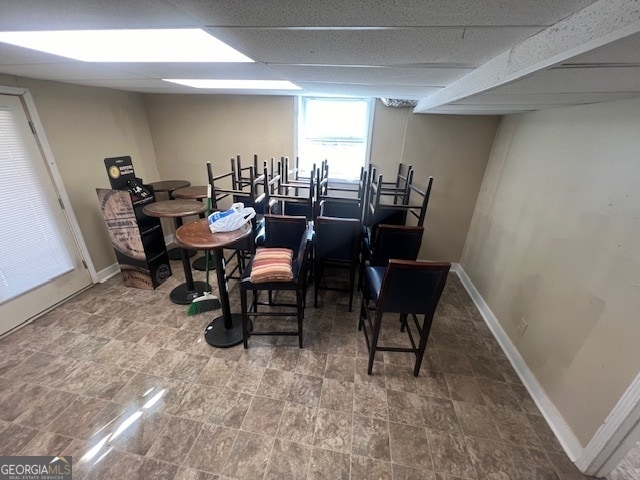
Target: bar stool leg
x=374 y=339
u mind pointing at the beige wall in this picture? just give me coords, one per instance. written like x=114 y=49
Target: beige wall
x=189 y=130
x=84 y=125
x=454 y=150
x=554 y=240
x=173 y=136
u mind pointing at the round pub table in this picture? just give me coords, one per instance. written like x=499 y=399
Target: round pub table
x=197 y=192
x=226 y=330
x=168 y=187
x=185 y=293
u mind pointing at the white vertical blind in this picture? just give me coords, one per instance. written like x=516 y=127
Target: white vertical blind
x=32 y=252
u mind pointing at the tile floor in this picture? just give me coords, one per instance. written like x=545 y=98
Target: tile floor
x=122 y=380
x=629 y=467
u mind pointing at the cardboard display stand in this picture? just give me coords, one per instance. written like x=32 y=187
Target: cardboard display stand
x=137 y=239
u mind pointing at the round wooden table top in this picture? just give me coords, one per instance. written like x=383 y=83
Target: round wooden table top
x=174 y=208
x=197 y=236
x=193 y=192
x=169 y=185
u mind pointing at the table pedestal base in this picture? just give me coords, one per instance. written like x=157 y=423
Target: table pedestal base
x=174 y=253
x=183 y=296
x=217 y=335
x=200 y=263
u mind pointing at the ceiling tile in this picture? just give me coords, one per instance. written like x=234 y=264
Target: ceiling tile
x=557 y=99
x=428 y=77
x=390 y=46
x=559 y=80
x=626 y=50
x=90 y=14
x=69 y=71
x=407 y=92
x=241 y=71
x=312 y=13
x=336 y=48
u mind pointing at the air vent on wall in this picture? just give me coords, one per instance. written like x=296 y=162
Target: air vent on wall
x=398 y=103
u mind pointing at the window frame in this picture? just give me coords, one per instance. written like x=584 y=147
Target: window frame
x=299 y=112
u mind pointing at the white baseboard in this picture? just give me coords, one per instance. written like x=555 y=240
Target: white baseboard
x=617 y=434
x=561 y=429
x=106 y=273
x=114 y=269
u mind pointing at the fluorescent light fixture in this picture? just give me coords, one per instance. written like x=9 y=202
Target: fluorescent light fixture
x=235 y=84
x=158 y=45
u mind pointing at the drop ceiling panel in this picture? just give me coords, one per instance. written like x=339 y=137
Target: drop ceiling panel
x=158 y=86
x=141 y=85
x=240 y=71
x=390 y=46
x=90 y=14
x=429 y=77
x=626 y=50
x=483 y=109
x=68 y=72
x=558 y=99
x=11 y=55
x=417 y=49
x=355 y=90
x=567 y=80
x=313 y=13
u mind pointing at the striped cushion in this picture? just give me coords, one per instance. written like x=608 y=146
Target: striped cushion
x=272 y=265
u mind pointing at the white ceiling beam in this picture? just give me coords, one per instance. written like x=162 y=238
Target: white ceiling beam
x=598 y=24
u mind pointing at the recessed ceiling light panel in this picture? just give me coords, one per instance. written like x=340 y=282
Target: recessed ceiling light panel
x=235 y=84
x=156 y=45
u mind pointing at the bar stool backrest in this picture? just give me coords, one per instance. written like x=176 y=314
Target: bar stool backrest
x=337 y=238
x=412 y=287
x=395 y=241
x=284 y=231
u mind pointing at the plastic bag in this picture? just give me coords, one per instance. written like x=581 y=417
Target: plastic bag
x=232 y=219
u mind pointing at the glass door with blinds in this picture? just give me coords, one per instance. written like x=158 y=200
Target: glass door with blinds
x=40 y=262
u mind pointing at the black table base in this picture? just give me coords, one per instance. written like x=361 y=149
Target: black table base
x=200 y=263
x=174 y=253
x=217 y=335
x=182 y=295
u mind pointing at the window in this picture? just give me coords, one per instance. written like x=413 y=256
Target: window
x=335 y=129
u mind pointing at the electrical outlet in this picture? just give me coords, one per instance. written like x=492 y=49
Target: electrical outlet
x=522 y=326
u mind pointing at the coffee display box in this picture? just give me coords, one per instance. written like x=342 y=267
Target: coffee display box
x=137 y=239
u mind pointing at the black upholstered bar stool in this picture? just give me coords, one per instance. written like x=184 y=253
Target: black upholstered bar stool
x=406 y=287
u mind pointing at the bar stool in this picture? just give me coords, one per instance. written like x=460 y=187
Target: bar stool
x=406 y=287
x=336 y=243
x=168 y=187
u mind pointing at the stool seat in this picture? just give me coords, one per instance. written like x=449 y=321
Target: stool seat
x=373 y=280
